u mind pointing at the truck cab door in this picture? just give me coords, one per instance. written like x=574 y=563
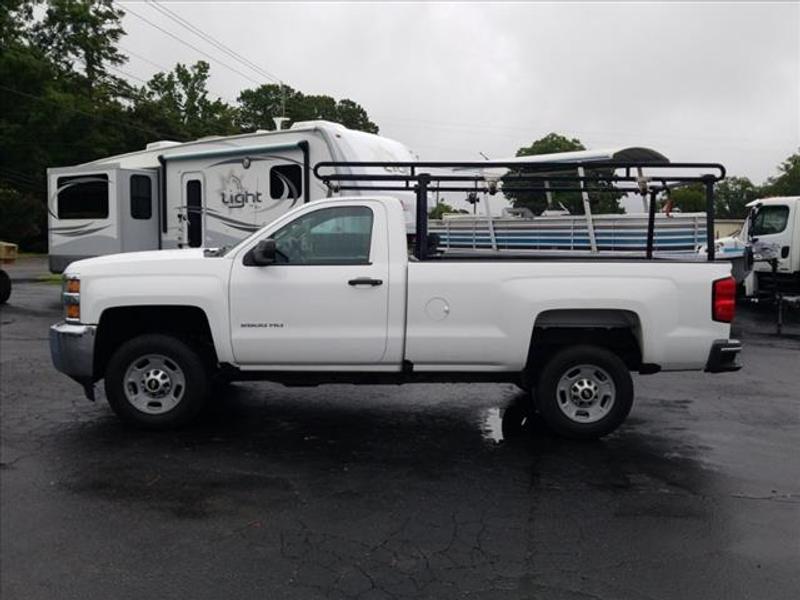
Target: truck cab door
x=774 y=224
x=324 y=301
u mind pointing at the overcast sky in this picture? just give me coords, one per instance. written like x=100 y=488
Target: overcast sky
x=710 y=82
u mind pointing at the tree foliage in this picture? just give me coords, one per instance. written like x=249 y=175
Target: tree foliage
x=443 y=208
x=730 y=197
x=23 y=218
x=259 y=107
x=787 y=182
x=536 y=201
x=179 y=102
x=86 y=33
x=690 y=198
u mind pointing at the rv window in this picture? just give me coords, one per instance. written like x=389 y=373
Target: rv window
x=83 y=197
x=329 y=236
x=770 y=219
x=141 y=197
x=286 y=182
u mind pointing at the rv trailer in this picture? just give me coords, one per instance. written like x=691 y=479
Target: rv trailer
x=209 y=192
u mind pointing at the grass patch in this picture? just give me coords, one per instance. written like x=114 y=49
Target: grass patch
x=53 y=278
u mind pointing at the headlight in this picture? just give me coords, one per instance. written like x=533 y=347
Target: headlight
x=71 y=297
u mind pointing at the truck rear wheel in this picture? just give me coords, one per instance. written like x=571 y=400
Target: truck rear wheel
x=156 y=381
x=584 y=392
x=5 y=287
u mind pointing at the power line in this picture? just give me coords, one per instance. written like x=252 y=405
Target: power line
x=214 y=42
x=145 y=59
x=146 y=130
x=193 y=47
x=131 y=75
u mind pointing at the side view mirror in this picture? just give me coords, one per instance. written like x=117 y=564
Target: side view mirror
x=751 y=219
x=262 y=255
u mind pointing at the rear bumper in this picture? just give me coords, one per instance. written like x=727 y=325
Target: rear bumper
x=72 y=350
x=723 y=355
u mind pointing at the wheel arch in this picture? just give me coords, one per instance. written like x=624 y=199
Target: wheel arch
x=617 y=330
x=119 y=324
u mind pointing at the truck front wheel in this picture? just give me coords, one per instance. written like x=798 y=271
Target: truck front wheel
x=584 y=392
x=156 y=381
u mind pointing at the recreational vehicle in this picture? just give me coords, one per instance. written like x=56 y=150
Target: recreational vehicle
x=209 y=192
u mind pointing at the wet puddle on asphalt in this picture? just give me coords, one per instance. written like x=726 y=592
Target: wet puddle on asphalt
x=492 y=428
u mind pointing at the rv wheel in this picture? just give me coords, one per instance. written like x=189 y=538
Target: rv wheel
x=5 y=287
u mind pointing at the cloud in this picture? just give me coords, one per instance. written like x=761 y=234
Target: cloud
x=717 y=82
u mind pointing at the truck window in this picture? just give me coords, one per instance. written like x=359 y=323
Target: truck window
x=770 y=219
x=82 y=197
x=194 y=212
x=332 y=236
x=141 y=197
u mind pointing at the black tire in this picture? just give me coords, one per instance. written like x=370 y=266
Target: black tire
x=599 y=365
x=5 y=287
x=180 y=359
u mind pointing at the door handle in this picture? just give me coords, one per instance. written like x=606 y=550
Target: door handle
x=365 y=281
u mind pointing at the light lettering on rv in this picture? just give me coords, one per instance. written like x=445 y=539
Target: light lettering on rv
x=240 y=199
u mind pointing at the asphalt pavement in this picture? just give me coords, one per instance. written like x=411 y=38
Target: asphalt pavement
x=399 y=491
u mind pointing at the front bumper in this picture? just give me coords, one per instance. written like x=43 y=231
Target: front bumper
x=722 y=357
x=72 y=351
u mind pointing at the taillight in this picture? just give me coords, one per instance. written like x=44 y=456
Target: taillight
x=723 y=300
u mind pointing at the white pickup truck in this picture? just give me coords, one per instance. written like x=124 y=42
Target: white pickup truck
x=328 y=293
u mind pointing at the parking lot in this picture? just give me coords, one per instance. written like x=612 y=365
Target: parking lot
x=395 y=492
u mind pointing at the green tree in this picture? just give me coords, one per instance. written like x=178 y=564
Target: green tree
x=442 y=208
x=787 y=182
x=23 y=218
x=258 y=107
x=51 y=114
x=178 y=103
x=690 y=198
x=731 y=197
x=15 y=16
x=84 y=32
x=352 y=115
x=554 y=143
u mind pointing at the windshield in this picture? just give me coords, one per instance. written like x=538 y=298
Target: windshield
x=770 y=220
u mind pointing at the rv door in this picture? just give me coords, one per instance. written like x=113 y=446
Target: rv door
x=138 y=209
x=192 y=210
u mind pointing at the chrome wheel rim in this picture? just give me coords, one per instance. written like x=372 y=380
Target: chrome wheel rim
x=154 y=384
x=585 y=393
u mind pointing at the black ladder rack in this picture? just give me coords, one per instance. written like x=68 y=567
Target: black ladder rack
x=605 y=176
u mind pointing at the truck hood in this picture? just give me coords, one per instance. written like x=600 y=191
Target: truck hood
x=151 y=261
